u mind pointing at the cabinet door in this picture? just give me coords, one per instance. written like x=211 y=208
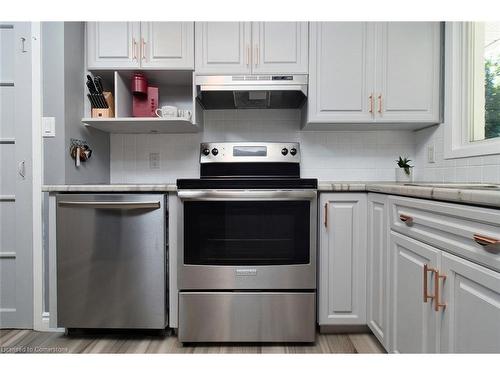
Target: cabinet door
x=342 y=259
x=167 y=45
x=377 y=267
x=341 y=72
x=113 y=45
x=223 y=47
x=408 y=73
x=414 y=323
x=280 y=47
x=471 y=318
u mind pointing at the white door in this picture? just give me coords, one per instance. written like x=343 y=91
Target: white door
x=280 y=47
x=341 y=72
x=377 y=267
x=223 y=47
x=16 y=261
x=408 y=72
x=167 y=45
x=113 y=45
x=471 y=318
x=342 y=259
x=414 y=323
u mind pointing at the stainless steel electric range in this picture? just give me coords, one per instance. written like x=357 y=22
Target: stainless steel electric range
x=247 y=266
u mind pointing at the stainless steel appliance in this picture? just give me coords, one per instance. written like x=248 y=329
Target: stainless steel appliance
x=111 y=261
x=247 y=262
x=252 y=91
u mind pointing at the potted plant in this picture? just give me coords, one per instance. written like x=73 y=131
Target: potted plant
x=403 y=172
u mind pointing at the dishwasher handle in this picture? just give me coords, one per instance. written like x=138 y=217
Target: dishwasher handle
x=112 y=205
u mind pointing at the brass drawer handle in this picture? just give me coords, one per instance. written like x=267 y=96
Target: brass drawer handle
x=408 y=220
x=426 y=295
x=326 y=215
x=380 y=104
x=371 y=103
x=485 y=240
x=438 y=304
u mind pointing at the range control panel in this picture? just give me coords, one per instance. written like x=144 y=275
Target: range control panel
x=238 y=152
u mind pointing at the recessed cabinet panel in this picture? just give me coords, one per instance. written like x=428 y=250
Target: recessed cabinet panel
x=471 y=321
x=414 y=323
x=408 y=76
x=342 y=290
x=168 y=45
x=341 y=72
x=113 y=45
x=223 y=47
x=377 y=267
x=280 y=47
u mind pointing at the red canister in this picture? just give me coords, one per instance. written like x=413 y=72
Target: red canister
x=139 y=84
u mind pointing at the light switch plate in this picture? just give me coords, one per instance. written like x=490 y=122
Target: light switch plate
x=430 y=154
x=49 y=127
x=154 y=160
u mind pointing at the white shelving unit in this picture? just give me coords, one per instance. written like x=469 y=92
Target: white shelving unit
x=140 y=125
x=175 y=88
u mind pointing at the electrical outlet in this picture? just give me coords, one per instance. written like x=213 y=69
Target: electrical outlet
x=430 y=154
x=154 y=160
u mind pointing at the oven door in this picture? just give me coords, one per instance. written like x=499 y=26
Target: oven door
x=248 y=239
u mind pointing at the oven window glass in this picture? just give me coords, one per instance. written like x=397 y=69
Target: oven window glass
x=246 y=233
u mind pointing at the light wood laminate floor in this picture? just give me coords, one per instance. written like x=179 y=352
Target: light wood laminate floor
x=28 y=341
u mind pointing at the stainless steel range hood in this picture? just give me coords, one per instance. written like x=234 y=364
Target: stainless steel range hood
x=251 y=91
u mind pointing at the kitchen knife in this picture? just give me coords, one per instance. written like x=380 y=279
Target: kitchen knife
x=92 y=101
x=98 y=84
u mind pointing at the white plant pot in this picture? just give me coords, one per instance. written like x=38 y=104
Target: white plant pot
x=401 y=175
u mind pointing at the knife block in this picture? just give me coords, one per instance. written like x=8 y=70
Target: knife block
x=105 y=112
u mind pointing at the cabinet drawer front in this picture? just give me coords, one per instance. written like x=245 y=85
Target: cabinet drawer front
x=455 y=228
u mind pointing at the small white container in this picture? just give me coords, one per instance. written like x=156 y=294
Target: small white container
x=401 y=175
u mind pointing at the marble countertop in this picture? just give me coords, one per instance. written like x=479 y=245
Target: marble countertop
x=483 y=197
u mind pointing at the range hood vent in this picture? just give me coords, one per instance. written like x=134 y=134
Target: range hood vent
x=251 y=92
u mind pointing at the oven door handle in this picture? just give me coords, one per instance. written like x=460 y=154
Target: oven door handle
x=246 y=194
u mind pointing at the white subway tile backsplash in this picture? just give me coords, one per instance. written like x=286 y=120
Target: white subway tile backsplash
x=328 y=155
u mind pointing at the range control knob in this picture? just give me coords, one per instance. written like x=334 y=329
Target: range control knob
x=215 y=151
x=284 y=151
x=293 y=151
x=206 y=151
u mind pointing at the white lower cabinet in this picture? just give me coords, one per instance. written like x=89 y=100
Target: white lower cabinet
x=377 y=280
x=471 y=318
x=414 y=323
x=342 y=259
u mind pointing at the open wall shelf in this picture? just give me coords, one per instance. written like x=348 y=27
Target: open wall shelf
x=175 y=88
x=141 y=125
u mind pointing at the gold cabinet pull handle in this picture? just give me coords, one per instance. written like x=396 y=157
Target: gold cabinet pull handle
x=485 y=240
x=380 y=104
x=143 y=49
x=248 y=54
x=134 y=49
x=438 y=304
x=408 y=220
x=426 y=295
x=371 y=103
x=326 y=215
x=256 y=54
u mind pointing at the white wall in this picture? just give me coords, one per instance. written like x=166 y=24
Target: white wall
x=335 y=155
x=473 y=169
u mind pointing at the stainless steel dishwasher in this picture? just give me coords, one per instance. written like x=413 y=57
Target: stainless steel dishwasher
x=111 y=261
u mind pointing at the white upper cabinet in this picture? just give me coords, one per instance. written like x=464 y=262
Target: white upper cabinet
x=113 y=45
x=223 y=47
x=342 y=259
x=367 y=73
x=159 y=45
x=251 y=47
x=471 y=318
x=167 y=45
x=341 y=72
x=408 y=76
x=280 y=47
